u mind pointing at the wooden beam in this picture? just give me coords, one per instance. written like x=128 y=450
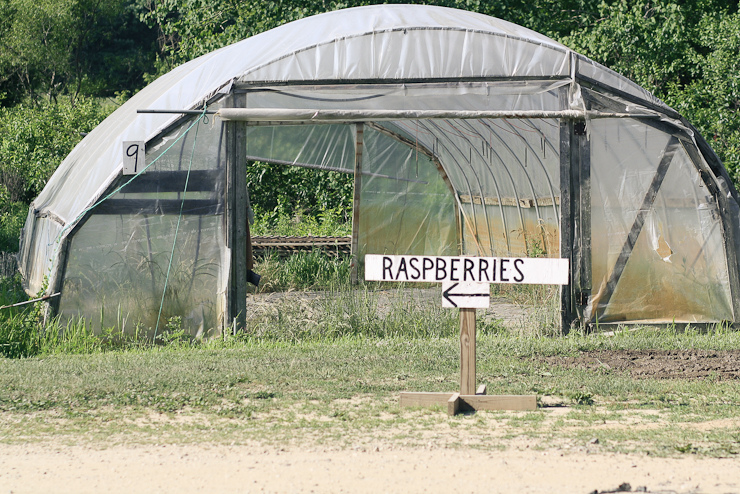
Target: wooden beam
x=174 y=181
x=422 y=399
x=581 y=203
x=359 y=130
x=453 y=404
x=469 y=403
x=567 y=312
x=498 y=402
x=200 y=207
x=236 y=220
x=467 y=351
x=241 y=220
x=249 y=253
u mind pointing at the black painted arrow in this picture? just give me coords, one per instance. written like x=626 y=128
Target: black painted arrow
x=446 y=294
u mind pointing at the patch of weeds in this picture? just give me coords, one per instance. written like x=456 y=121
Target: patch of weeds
x=174 y=333
x=263 y=395
x=492 y=327
x=581 y=398
x=686 y=448
x=302 y=271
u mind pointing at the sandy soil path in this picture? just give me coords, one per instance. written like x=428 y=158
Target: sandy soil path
x=183 y=469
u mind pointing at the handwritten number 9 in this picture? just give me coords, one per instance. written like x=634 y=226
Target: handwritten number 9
x=133 y=152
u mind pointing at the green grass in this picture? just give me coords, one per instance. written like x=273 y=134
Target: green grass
x=361 y=312
x=325 y=368
x=302 y=271
x=343 y=391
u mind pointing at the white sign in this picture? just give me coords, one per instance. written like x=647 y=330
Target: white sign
x=437 y=269
x=133 y=157
x=466 y=295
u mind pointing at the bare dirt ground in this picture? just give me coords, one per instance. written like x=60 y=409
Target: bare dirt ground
x=658 y=364
x=180 y=469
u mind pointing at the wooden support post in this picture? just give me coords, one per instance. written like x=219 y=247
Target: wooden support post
x=567 y=226
x=359 y=130
x=237 y=223
x=467 y=351
x=248 y=239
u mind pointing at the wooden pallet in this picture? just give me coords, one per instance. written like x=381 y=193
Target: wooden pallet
x=284 y=246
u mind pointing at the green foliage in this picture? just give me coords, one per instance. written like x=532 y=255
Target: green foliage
x=174 y=334
x=711 y=101
x=34 y=139
x=327 y=223
x=279 y=191
x=687 y=54
x=20 y=329
x=11 y=292
x=22 y=335
x=647 y=41
x=73 y=47
x=12 y=218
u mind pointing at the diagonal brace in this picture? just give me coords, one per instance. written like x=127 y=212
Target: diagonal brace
x=647 y=205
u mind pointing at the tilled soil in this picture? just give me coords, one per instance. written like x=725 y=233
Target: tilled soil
x=658 y=364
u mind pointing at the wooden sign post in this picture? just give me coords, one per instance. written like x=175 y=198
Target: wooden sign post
x=467 y=351
x=462 y=278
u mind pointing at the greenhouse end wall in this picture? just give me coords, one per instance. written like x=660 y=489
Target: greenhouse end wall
x=151 y=233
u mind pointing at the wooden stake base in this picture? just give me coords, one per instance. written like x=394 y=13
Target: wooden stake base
x=465 y=400
x=457 y=403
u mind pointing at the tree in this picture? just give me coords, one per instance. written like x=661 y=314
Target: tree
x=687 y=54
x=33 y=141
x=711 y=101
x=54 y=47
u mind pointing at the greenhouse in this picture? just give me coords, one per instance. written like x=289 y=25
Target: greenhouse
x=466 y=135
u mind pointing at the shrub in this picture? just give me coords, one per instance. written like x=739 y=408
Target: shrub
x=34 y=139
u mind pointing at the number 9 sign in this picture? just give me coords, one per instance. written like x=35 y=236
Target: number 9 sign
x=133 y=157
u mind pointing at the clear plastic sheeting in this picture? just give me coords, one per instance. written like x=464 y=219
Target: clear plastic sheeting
x=382 y=40
x=595 y=72
x=506 y=176
x=328 y=147
x=677 y=270
x=119 y=259
x=406 y=207
x=531 y=94
x=40 y=245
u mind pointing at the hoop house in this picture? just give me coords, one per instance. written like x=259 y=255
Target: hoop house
x=467 y=135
